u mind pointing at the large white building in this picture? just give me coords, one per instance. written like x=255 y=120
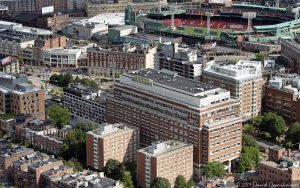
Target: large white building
x=61 y=57
x=84 y=29
x=244 y=81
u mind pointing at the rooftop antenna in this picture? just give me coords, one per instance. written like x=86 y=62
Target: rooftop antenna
x=159 y=6
x=276 y=3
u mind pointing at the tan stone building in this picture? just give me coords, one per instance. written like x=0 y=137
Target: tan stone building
x=166 y=106
x=19 y=97
x=111 y=141
x=167 y=159
x=243 y=80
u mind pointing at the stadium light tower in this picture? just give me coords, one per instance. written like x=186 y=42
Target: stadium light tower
x=250 y=16
x=277 y=3
x=208 y=15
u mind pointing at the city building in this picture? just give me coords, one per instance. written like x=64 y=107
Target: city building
x=94 y=7
x=12 y=42
x=290 y=50
x=46 y=176
x=111 y=141
x=49 y=139
x=166 y=106
x=35 y=171
x=85 y=103
x=20 y=168
x=18 y=28
x=258 y=47
x=182 y=60
x=61 y=57
x=115 y=61
x=7 y=157
x=15 y=6
x=167 y=159
x=282 y=96
x=84 y=179
x=76 y=4
x=9 y=65
x=50 y=21
x=84 y=29
x=19 y=97
x=243 y=80
x=115 y=33
x=282 y=167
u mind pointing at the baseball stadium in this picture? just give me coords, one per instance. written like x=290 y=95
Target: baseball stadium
x=229 y=23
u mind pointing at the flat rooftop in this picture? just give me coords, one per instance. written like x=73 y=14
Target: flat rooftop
x=172 y=80
x=163 y=147
x=111 y=129
x=109 y=18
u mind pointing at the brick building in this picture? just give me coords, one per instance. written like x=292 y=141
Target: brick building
x=290 y=50
x=7 y=158
x=115 y=61
x=285 y=171
x=20 y=168
x=166 y=106
x=19 y=97
x=49 y=139
x=51 y=21
x=164 y=159
x=35 y=171
x=111 y=141
x=283 y=98
x=271 y=48
x=243 y=80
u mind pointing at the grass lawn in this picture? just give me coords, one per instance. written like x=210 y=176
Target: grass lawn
x=7 y=116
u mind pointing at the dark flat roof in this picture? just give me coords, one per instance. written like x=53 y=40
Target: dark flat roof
x=171 y=79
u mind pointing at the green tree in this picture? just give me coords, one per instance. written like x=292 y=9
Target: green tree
x=54 y=78
x=293 y=133
x=114 y=169
x=68 y=78
x=61 y=116
x=214 y=169
x=29 y=82
x=248 y=128
x=248 y=140
x=273 y=124
x=127 y=179
x=160 y=183
x=256 y=121
x=131 y=167
x=77 y=167
x=252 y=153
x=180 y=182
x=190 y=183
x=75 y=146
x=77 y=79
x=245 y=164
x=261 y=56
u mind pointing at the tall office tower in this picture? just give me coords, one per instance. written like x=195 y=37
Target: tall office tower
x=111 y=141
x=166 y=106
x=244 y=81
x=167 y=159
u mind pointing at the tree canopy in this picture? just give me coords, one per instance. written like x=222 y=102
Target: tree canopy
x=293 y=133
x=160 y=183
x=127 y=180
x=249 y=159
x=214 y=169
x=273 y=124
x=75 y=146
x=180 y=182
x=248 y=140
x=113 y=169
x=60 y=115
x=64 y=80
